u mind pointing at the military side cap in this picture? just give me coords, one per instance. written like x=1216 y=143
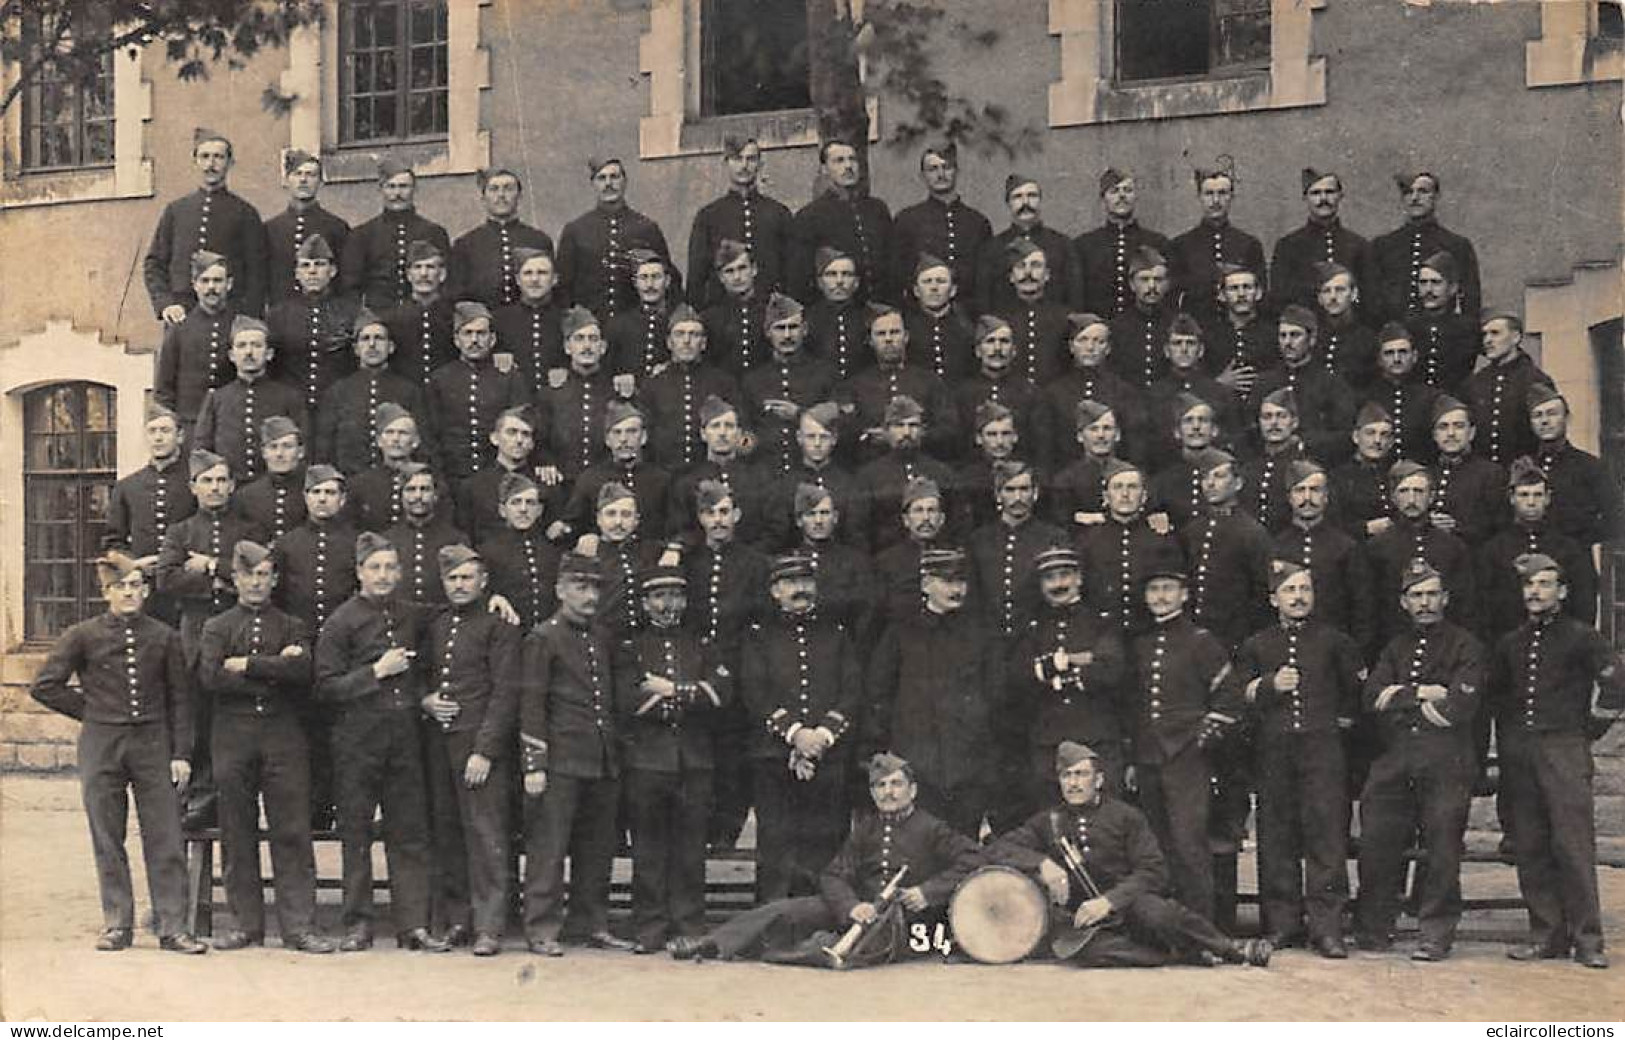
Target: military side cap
x=1185 y=325
x=683 y=314
x=322 y=473
x=1525 y=472
x=202 y=133
x=617 y=412
x=294 y=158
x=708 y=494
x=808 y=496
x=278 y=426
x=1144 y=258
x=1415 y=573
x=1069 y=753
x=927 y=262
x=1111 y=177
x=791 y=565
x=582 y=562
x=1372 y=412
x=247 y=555
x=1405 y=469
x=1281 y=570
x=1444 y=265
x=521 y=413
x=1392 y=331
x=1078 y=321
x=364 y=318
x=466 y=311
x=614 y=491
x=1299 y=315
x=242 y=323
x=729 y=250
x=1091 y=411
x=883 y=764
x=314 y=248
x=389 y=166
x=1020 y=248
x=943 y=563
x=575 y=319
x=408 y=470
x=1186 y=402
x=1300 y=470
x=1506 y=314
x=203 y=259
x=1228 y=268
x=523 y=255
x=419 y=250
x=1326 y=270
x=988 y=324
x=486 y=175
x=1282 y=397
x=1406 y=179
x=1116 y=467
x=1057 y=557
x=452 y=557
x=823 y=256
x=637 y=258
x=155 y=411
x=903 y=407
x=114 y=566
x=515 y=484
x=1006 y=470
x=920 y=488
x=369 y=542
x=947 y=151
x=1540 y=393
x=1311 y=176
x=875 y=311
x=780 y=308
x=1209 y=459
x=1443 y=405
x=1017 y=180
x=1530 y=564
x=598 y=162
x=991 y=412
x=1222 y=166
x=388 y=414
x=733 y=145
x=714 y=408
x=202 y=460
x=825 y=413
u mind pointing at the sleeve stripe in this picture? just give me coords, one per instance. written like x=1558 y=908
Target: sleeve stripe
x=710 y=691
x=1252 y=689
x=1432 y=713
x=1223 y=674
x=1387 y=695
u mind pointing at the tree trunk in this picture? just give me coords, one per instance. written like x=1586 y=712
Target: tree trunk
x=832 y=64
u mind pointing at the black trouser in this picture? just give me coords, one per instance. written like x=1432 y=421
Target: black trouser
x=265 y=756
x=1303 y=830
x=777 y=925
x=1174 y=794
x=733 y=732
x=317 y=720
x=113 y=761
x=1233 y=782
x=470 y=832
x=1152 y=927
x=574 y=817
x=669 y=816
x=1547 y=781
x=378 y=761
x=1421 y=779
x=200 y=792
x=799 y=825
x=961 y=805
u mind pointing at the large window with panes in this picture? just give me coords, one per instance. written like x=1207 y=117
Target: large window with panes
x=70 y=456
x=1181 y=39
x=67 y=105
x=393 y=76
x=754 y=56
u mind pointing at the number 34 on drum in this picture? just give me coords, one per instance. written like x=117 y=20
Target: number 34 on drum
x=923 y=940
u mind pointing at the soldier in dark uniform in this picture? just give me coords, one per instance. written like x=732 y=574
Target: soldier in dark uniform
x=144 y=505
x=995 y=389
x=256 y=664
x=847 y=591
x=420 y=323
x=311 y=326
x=846 y=218
x=1412 y=535
x=1116 y=844
x=1186 y=697
x=736 y=331
x=478 y=504
x=1002 y=551
x=573 y=403
x=426 y=525
x=672 y=398
x=1266 y=474
x=520 y=557
x=1066 y=675
x=211 y=219
x=1468 y=495
x=995 y=292
x=465 y=396
x=881 y=482
x=837 y=320
x=899 y=569
x=472 y=677
x=303 y=219
x=134 y=700
x=670 y=684
x=943 y=337
x=375 y=260
x=1499 y=585
x=897 y=835
x=800 y=678
x=1325 y=403
x=726 y=463
x=1184 y=376
x=623 y=553
x=483 y=259
x=1038 y=324
x=637 y=335
x=592 y=258
x=935 y=685
x=1446 y=341
x=570 y=753
x=1321 y=239
x=759 y=223
x=818 y=431
x=376 y=492
x=1228 y=552
x=1197 y=254
x=1424 y=691
x=193 y=356
x=1103 y=253
x=1175 y=492
x=996 y=438
x=530 y=328
x=1140 y=331
x=193 y=569
x=1090 y=378
x=364 y=670
x=1348 y=347
x=1240 y=338
x=1118 y=554
x=1499 y=392
x=1337 y=561
x=1302 y=682
x=941 y=225
x=229 y=419
x=1365 y=503
x=315 y=566
x=273 y=501
x=1586 y=502
x=1401 y=392
x=1398 y=255
x=1540 y=681
x=346 y=419
x=864 y=396
x=777 y=390
x=626 y=433
x=1077 y=494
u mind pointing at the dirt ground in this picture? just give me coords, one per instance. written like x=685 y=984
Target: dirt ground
x=49 y=917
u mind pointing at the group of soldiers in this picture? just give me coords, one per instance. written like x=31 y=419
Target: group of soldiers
x=1018 y=536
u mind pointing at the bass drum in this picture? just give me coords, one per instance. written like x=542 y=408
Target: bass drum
x=998 y=915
